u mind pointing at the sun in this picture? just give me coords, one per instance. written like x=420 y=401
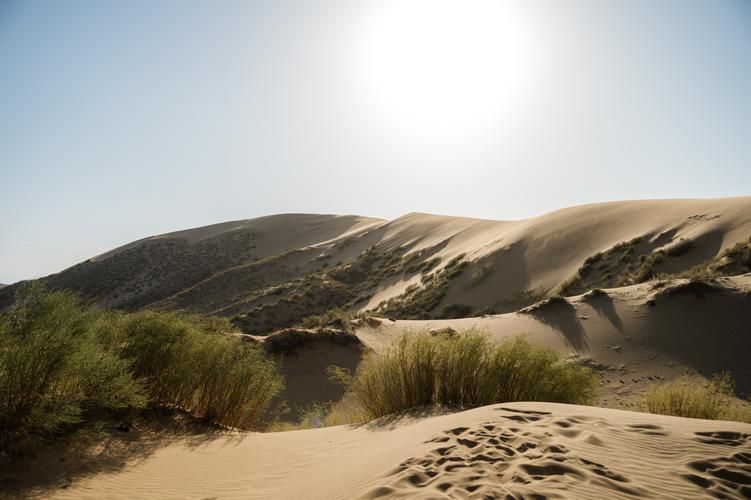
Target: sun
x=438 y=68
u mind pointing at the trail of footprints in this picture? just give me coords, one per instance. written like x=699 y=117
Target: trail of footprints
x=501 y=460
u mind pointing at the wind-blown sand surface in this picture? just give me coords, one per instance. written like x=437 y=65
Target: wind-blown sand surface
x=527 y=450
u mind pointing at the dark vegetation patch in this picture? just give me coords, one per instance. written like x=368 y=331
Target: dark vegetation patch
x=309 y=300
x=547 y=304
x=419 y=301
x=289 y=340
x=155 y=269
x=731 y=262
x=223 y=276
x=696 y=288
x=637 y=261
x=594 y=293
x=456 y=311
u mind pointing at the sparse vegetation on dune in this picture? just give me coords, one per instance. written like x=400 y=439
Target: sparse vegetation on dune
x=418 y=302
x=638 y=261
x=464 y=371
x=692 y=399
x=337 y=288
x=64 y=365
x=733 y=260
x=337 y=318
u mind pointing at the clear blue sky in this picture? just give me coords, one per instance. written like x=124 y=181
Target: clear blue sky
x=120 y=120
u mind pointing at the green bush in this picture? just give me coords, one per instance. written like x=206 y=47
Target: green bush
x=234 y=382
x=54 y=371
x=464 y=371
x=63 y=364
x=160 y=347
x=692 y=399
x=208 y=374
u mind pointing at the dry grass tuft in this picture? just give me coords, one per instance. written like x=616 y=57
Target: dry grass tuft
x=686 y=398
x=465 y=371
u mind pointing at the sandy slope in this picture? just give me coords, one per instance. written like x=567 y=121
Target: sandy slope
x=523 y=449
x=256 y=267
x=641 y=330
x=282 y=231
x=542 y=252
x=634 y=336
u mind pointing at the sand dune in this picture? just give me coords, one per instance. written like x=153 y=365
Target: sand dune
x=633 y=336
x=270 y=272
x=527 y=450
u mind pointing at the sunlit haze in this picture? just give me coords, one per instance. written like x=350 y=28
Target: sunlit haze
x=120 y=120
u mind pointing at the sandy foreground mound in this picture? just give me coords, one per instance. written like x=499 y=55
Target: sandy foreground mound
x=526 y=450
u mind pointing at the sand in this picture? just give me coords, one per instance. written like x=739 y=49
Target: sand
x=520 y=449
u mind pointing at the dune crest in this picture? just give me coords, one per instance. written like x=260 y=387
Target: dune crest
x=270 y=272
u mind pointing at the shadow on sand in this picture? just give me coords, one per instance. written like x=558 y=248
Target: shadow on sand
x=391 y=422
x=58 y=465
x=561 y=316
x=605 y=308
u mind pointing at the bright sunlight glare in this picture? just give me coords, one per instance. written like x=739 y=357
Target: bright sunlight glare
x=436 y=68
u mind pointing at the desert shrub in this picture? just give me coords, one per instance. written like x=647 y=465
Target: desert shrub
x=679 y=248
x=54 y=371
x=595 y=292
x=160 y=347
x=686 y=398
x=63 y=364
x=208 y=374
x=234 y=382
x=466 y=370
x=332 y=317
x=417 y=304
x=456 y=311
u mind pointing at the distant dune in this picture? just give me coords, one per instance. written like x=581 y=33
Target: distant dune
x=517 y=450
x=271 y=272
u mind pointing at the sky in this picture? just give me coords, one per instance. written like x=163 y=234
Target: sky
x=120 y=120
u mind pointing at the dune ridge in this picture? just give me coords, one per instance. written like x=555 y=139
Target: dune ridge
x=270 y=272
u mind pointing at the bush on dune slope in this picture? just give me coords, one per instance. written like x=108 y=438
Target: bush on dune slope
x=687 y=398
x=465 y=371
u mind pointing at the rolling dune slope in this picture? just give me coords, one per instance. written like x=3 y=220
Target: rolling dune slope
x=525 y=450
x=271 y=272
